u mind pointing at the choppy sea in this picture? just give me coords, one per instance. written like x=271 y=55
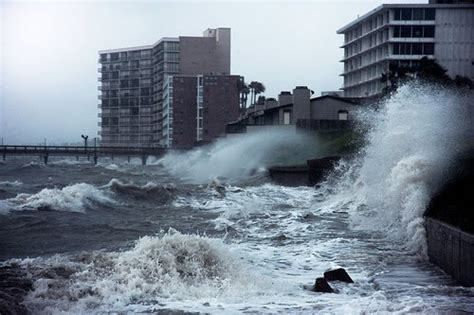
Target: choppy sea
x=207 y=232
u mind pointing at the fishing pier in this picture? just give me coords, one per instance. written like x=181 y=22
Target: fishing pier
x=94 y=152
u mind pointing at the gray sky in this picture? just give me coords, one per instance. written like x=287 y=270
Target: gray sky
x=49 y=52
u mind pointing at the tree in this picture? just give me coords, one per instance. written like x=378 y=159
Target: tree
x=259 y=88
x=261 y=100
x=255 y=89
x=427 y=69
x=252 y=87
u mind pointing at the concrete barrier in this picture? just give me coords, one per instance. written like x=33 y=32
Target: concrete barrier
x=451 y=249
x=289 y=175
x=303 y=175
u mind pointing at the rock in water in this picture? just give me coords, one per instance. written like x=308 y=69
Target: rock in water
x=321 y=285
x=339 y=274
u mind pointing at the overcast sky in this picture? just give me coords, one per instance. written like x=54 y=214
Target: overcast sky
x=49 y=52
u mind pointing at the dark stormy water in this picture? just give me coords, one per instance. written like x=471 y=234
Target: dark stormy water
x=117 y=237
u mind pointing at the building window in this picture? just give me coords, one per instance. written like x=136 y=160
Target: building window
x=416 y=31
x=343 y=114
x=406 y=14
x=428 y=48
x=413 y=48
x=416 y=49
x=417 y=14
x=429 y=31
x=430 y=14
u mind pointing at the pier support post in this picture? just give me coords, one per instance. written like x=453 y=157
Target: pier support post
x=77 y=157
x=4 y=157
x=128 y=159
x=45 y=157
x=144 y=157
x=95 y=159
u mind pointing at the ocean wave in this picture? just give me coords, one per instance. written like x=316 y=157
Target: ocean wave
x=413 y=140
x=32 y=164
x=158 y=270
x=15 y=183
x=74 y=198
x=150 y=190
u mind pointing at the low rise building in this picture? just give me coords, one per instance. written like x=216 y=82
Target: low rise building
x=297 y=109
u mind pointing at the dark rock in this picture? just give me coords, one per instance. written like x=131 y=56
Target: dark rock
x=321 y=285
x=339 y=274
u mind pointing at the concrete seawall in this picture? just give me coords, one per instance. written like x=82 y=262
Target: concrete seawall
x=452 y=250
x=450 y=223
x=303 y=175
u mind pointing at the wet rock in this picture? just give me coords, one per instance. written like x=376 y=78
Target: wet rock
x=339 y=274
x=321 y=285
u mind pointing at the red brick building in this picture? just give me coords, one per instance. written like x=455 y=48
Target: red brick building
x=196 y=109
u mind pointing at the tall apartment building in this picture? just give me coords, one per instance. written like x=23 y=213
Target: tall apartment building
x=132 y=79
x=196 y=109
x=403 y=34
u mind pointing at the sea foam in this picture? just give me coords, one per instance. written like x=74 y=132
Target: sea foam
x=74 y=198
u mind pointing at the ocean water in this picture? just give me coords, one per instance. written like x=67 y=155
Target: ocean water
x=207 y=232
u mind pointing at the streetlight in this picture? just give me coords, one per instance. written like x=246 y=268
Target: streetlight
x=85 y=137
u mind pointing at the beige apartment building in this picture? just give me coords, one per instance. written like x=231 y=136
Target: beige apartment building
x=403 y=34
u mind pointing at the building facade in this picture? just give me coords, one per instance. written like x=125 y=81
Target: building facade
x=401 y=34
x=197 y=108
x=297 y=110
x=132 y=80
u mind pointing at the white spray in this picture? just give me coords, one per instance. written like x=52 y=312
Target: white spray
x=237 y=156
x=412 y=142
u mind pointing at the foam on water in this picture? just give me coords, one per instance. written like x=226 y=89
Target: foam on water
x=157 y=270
x=15 y=183
x=73 y=198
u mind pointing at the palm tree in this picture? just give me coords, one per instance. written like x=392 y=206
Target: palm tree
x=252 y=86
x=255 y=89
x=259 y=88
x=244 y=91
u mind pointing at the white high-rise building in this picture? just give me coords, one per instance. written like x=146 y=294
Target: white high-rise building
x=401 y=34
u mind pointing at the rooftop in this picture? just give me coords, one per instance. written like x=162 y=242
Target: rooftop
x=411 y=5
x=164 y=39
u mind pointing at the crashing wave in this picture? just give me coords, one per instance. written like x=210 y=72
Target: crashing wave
x=157 y=270
x=74 y=198
x=412 y=141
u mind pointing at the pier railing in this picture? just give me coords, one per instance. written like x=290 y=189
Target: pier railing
x=89 y=151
